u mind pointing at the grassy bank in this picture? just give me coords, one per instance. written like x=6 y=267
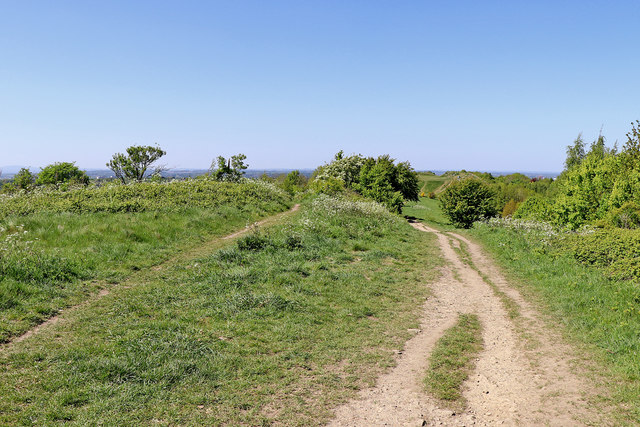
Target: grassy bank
x=58 y=247
x=277 y=327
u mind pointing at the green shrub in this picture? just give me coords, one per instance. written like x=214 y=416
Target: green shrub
x=62 y=172
x=379 y=179
x=24 y=179
x=253 y=242
x=536 y=207
x=294 y=182
x=615 y=250
x=327 y=185
x=626 y=216
x=509 y=208
x=466 y=201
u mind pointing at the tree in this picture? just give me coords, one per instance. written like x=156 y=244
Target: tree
x=62 y=172
x=134 y=165
x=467 y=200
x=575 y=153
x=230 y=170
x=24 y=179
x=379 y=179
x=631 y=149
x=294 y=182
x=407 y=181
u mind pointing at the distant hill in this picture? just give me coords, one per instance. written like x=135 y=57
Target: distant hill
x=503 y=173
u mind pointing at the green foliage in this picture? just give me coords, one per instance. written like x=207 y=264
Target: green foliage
x=594 y=186
x=626 y=216
x=327 y=185
x=24 y=179
x=294 y=182
x=509 y=208
x=617 y=251
x=230 y=170
x=575 y=153
x=535 y=208
x=379 y=179
x=64 y=172
x=466 y=201
x=134 y=165
x=343 y=168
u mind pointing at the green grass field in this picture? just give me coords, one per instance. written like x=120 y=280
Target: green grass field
x=276 y=327
x=74 y=245
x=430 y=183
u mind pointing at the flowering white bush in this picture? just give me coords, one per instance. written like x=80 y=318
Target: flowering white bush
x=334 y=206
x=540 y=227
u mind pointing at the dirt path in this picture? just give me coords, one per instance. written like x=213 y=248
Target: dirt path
x=520 y=378
x=198 y=251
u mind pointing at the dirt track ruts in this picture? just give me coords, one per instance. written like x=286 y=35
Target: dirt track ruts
x=525 y=374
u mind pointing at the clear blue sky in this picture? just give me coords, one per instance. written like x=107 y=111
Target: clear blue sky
x=480 y=85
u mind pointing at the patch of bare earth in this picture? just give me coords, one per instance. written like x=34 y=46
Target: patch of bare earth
x=525 y=374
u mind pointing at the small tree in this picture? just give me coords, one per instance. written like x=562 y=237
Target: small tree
x=466 y=201
x=230 y=170
x=631 y=149
x=575 y=153
x=62 y=172
x=134 y=165
x=24 y=179
x=294 y=182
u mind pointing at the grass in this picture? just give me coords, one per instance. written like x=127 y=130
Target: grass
x=430 y=183
x=51 y=259
x=277 y=327
x=453 y=359
x=597 y=312
x=426 y=210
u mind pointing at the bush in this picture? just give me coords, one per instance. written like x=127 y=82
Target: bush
x=616 y=251
x=294 y=182
x=62 y=172
x=509 y=208
x=328 y=185
x=466 y=201
x=379 y=179
x=626 y=216
x=535 y=208
x=24 y=179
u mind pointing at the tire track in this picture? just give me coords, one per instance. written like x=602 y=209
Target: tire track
x=512 y=384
